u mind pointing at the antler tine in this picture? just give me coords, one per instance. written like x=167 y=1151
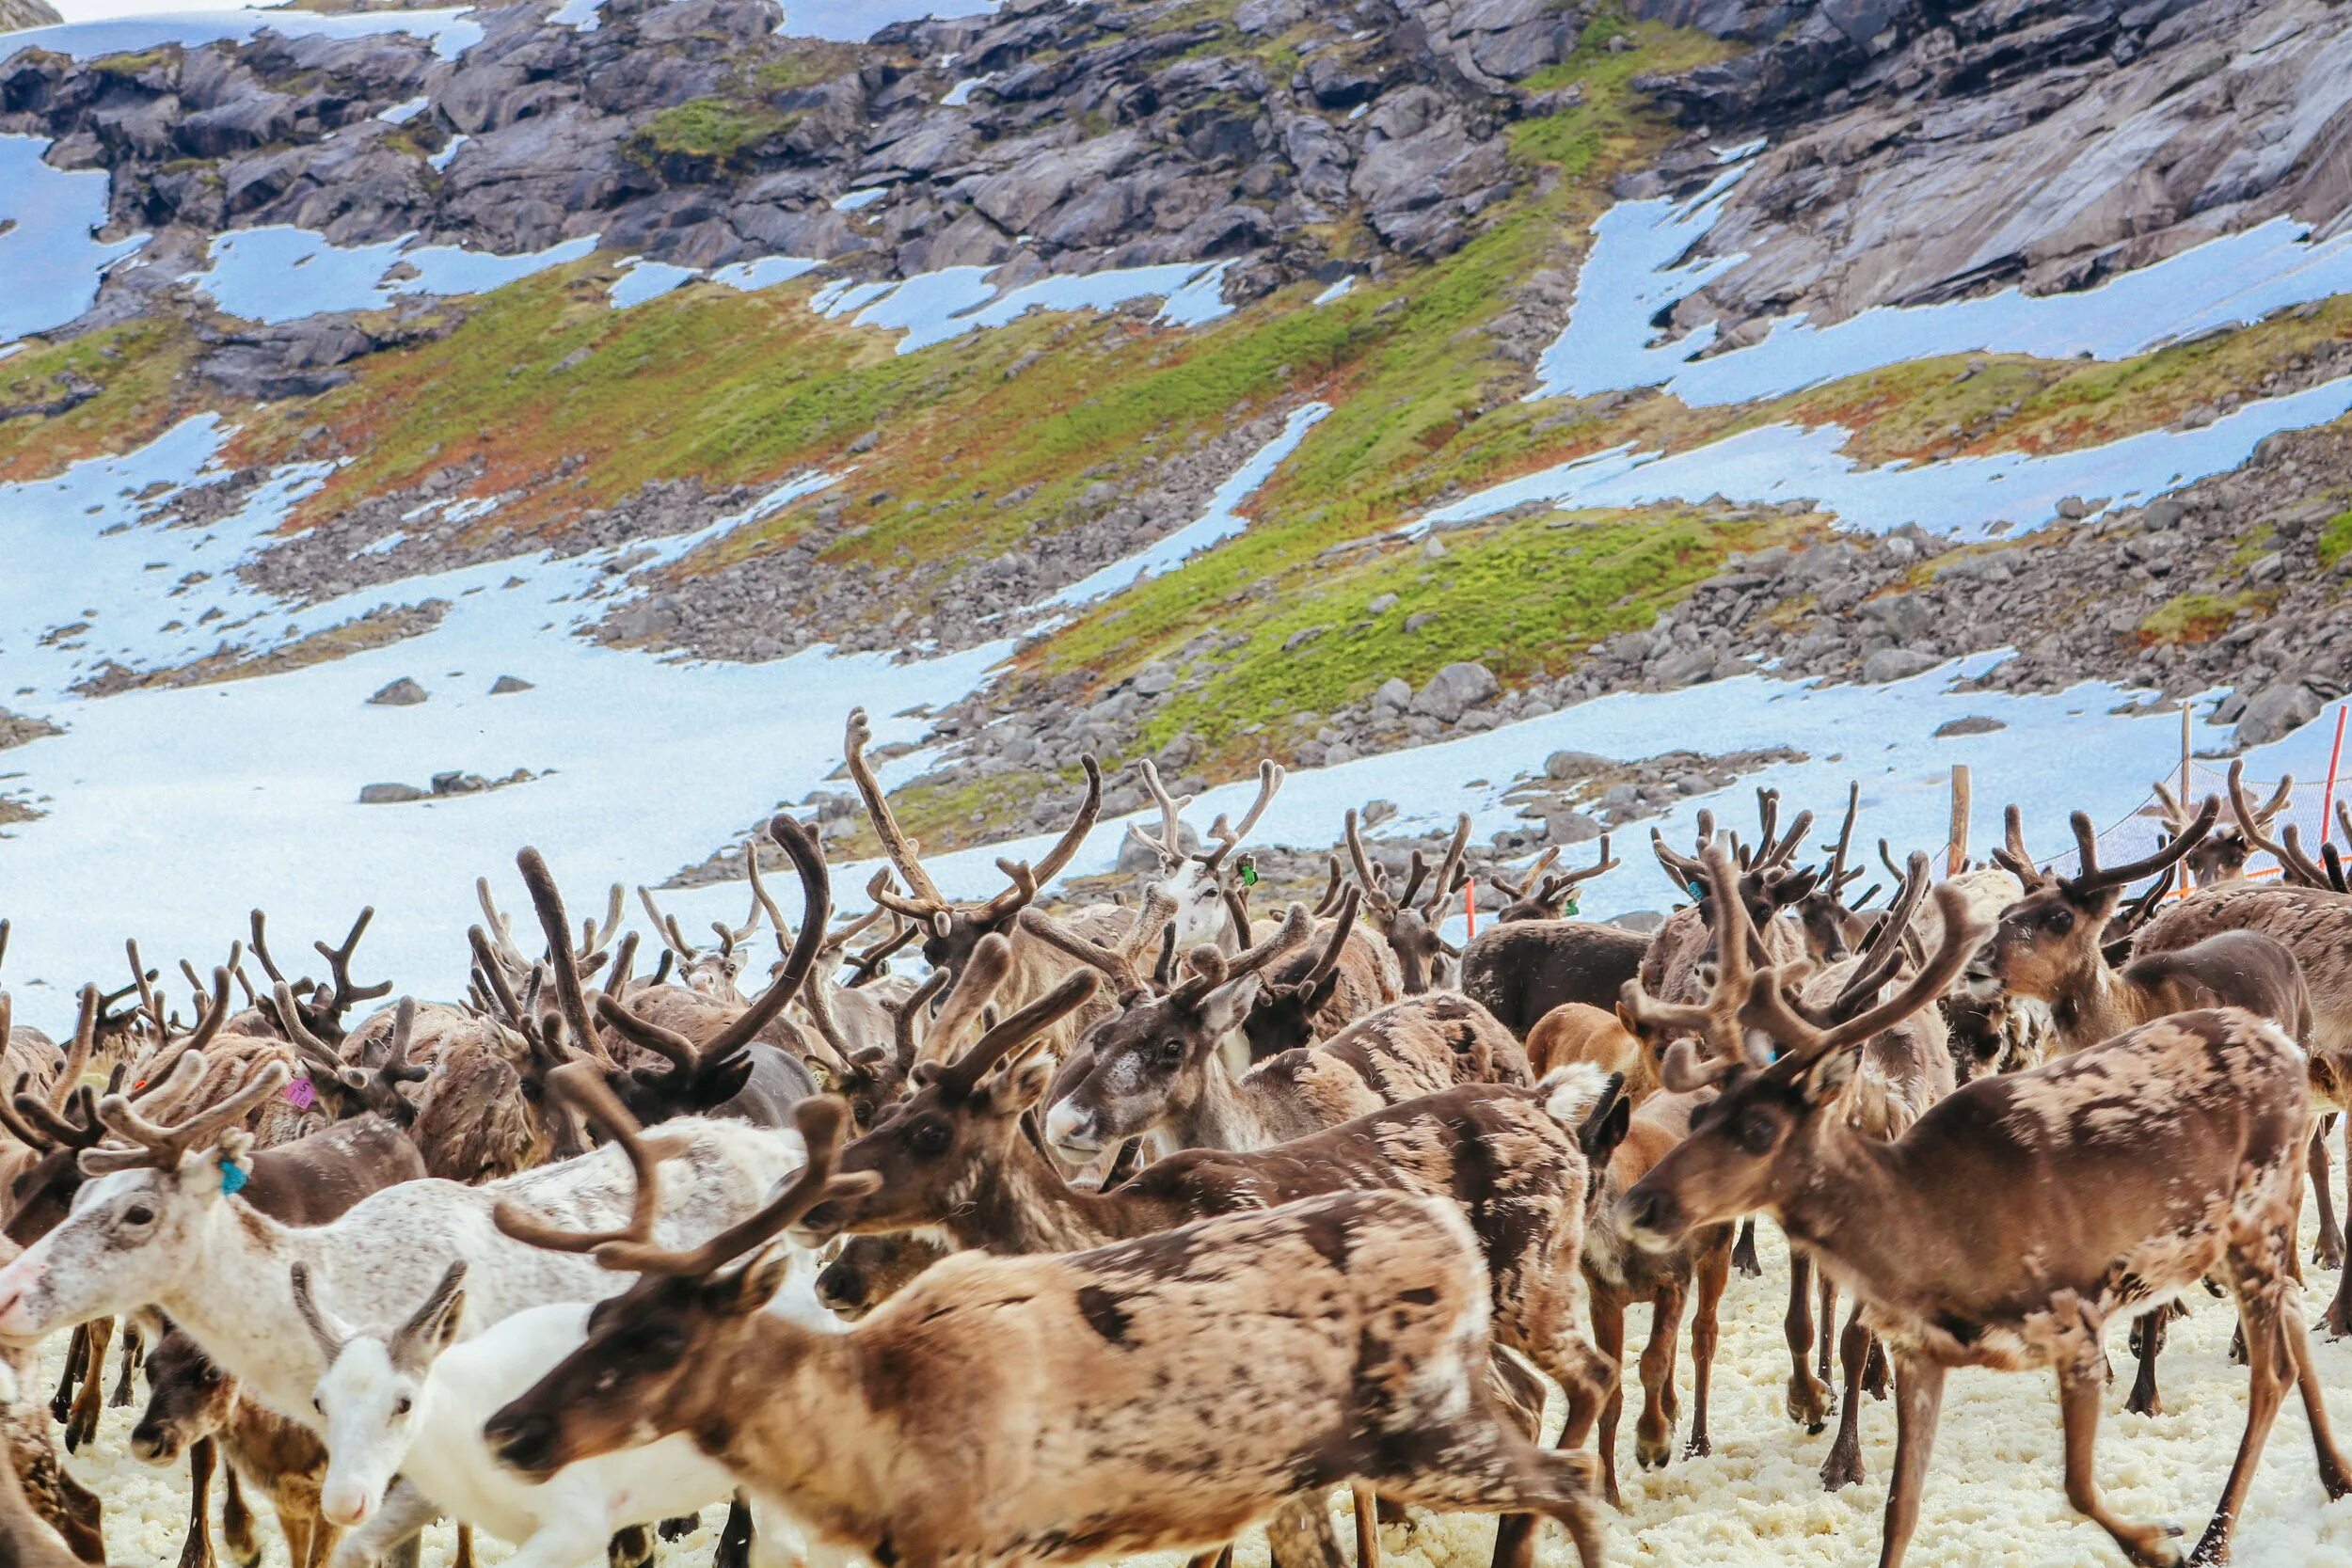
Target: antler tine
x=1169 y=845
x=2304 y=869
x=1369 y=877
x=2277 y=801
x=1017 y=896
x=1687 y=870
x=162 y=1148
x=1774 y=855
x=142 y=977
x=823 y=1121
x=2014 y=857
x=1080 y=826
x=2175 y=816
x=1236 y=911
x=901 y=850
x=4 y=941
x=809 y=859
x=2093 y=878
x=580 y=1086
x=930 y=917
x=839 y=938
x=912 y=1010
x=260 y=947
x=77 y=1056
x=314 y=1052
x=500 y=927
x=763 y=902
x=26 y=1119
x=617 y=978
x=549 y=901
x=1416 y=873
x=1331 y=895
x=666 y=927
x=1158 y=908
x=1533 y=875
x=595 y=938
x=1270 y=777
x=863 y=966
x=1349 y=902
x=1571 y=878
x=493 y=973
x=667 y=1043
x=1450 y=875
x=2333 y=862
x=1117 y=963
x=216 y=1010
x=983 y=972
x=339 y=967
x=1297 y=925
x=1066 y=996
x=2144 y=908
x=1883 y=954
x=2344 y=817
x=1963 y=933
x=1839 y=876
x=2255 y=825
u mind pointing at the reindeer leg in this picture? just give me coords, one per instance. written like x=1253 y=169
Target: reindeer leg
x=76 y=1355
x=2328 y=1251
x=2270 y=1362
x=197 y=1550
x=735 y=1536
x=679 y=1527
x=1843 y=1467
x=1878 y=1379
x=2081 y=1383
x=301 y=1531
x=1609 y=1338
x=1653 y=1432
x=1829 y=1336
x=464 y=1548
x=1743 y=1256
x=1714 y=1275
x=1367 y=1526
x=1808 y=1397
x=630 y=1547
x=1299 y=1535
x=1473 y=1461
x=2335 y=1476
x=133 y=1354
x=1918 y=1406
x=236 y=1524
x=89 y=1404
x=2148 y=1339
x=77 y=1514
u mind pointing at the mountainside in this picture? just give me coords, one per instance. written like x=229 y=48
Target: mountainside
x=1181 y=378
x=27 y=13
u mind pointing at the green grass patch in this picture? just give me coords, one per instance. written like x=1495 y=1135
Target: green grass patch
x=716 y=130
x=2197 y=617
x=140 y=368
x=2335 y=539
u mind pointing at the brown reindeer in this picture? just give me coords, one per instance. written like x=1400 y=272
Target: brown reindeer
x=1317 y=990
x=47 y=1519
x=2220 y=856
x=2113 y=1179
x=195 y=1408
x=1573 y=1032
x=325 y=1004
x=1406 y=921
x=1154 y=1066
x=1535 y=957
x=1055 y=1409
x=952 y=930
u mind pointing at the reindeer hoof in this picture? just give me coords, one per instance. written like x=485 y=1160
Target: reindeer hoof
x=2328 y=1254
x=2337 y=1322
x=679 y=1527
x=2150 y=1405
x=1654 y=1455
x=1809 y=1402
x=1699 y=1447
x=1842 y=1468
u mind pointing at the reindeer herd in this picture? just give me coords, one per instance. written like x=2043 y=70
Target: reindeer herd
x=1137 y=1224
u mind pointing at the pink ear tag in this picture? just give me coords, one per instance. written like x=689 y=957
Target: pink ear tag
x=302 y=1092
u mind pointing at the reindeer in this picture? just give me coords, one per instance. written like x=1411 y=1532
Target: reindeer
x=713 y=972
x=1373 y=1303
x=47 y=1520
x=952 y=930
x=1411 y=928
x=1155 y=1067
x=322 y=1014
x=1832 y=927
x=2112 y=1178
x=1534 y=958
x=1193 y=883
x=2219 y=859
x=194 y=1408
x=1316 y=991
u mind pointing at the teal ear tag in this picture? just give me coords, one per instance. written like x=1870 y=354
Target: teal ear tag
x=232 y=1179
x=1695 y=890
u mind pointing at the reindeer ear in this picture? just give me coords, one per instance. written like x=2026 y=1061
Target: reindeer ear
x=1602 y=1135
x=745 y=1291
x=1827 y=1078
x=1021 y=1082
x=1222 y=1009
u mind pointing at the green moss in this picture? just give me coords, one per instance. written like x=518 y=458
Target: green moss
x=2335 y=540
x=131 y=64
x=2197 y=617
x=1523 y=597
x=715 y=129
x=140 y=368
x=809 y=63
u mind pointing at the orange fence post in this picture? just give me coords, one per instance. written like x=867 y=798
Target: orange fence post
x=2328 y=802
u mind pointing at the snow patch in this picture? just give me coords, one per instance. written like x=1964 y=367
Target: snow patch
x=49 y=252
x=641 y=281
x=282 y=274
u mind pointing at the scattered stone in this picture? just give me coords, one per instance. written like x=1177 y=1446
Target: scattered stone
x=1455 y=690
x=1381 y=604
x=403 y=692
x=1976 y=723
x=1895 y=664
x=2276 y=712
x=507 y=684
x=390 y=794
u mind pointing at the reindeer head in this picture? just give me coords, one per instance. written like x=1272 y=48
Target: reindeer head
x=711 y=972
x=1825 y=912
x=1193 y=883
x=2221 y=855
x=927 y=1155
x=189 y=1397
x=1411 y=927
x=869 y=1270
x=1150 y=1057
x=952 y=930
x=368 y=1400
x=1298 y=985
x=349 y=1090
x=2056 y=934
x=1759 y=1133
x=137 y=1215
x=620 y=1388
x=1542 y=893
x=54 y=1129
x=1766 y=882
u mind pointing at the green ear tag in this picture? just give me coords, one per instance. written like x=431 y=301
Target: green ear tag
x=1248 y=875
x=1568 y=909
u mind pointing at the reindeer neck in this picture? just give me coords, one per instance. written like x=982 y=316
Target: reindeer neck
x=1021 y=1203
x=814 y=1439
x=1222 y=1115
x=2092 y=1004
x=234 y=1296
x=1839 y=1206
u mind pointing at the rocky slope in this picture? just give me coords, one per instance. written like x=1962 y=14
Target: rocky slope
x=26 y=14
x=1399 y=199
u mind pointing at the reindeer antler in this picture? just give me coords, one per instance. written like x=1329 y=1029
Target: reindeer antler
x=1715 y=1019
x=157 y=1147
x=1270 y=777
x=1169 y=845
x=2255 y=823
x=582 y=1087
x=1768 y=1010
x=1211 y=968
x=1121 y=962
x=2014 y=857
x=1016 y=1033
x=2092 y=879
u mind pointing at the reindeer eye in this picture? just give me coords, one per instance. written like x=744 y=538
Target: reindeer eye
x=404 y=1406
x=929 y=1137
x=139 y=1213
x=1755 y=1133
x=2059 y=919
x=318 y=1404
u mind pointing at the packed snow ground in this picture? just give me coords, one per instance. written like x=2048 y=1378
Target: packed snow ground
x=1992 y=1500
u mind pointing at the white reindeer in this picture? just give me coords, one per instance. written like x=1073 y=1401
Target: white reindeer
x=412 y=1403
x=1194 y=883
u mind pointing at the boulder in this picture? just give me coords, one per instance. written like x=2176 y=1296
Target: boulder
x=507 y=684
x=1455 y=690
x=2277 y=711
x=403 y=692
x=1976 y=723
x=390 y=794
x=1895 y=664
